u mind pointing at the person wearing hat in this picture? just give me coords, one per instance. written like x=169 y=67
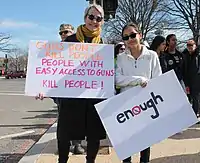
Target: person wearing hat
x=65 y=31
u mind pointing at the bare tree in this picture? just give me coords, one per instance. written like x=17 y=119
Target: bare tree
x=148 y=14
x=186 y=14
x=4 y=42
x=17 y=59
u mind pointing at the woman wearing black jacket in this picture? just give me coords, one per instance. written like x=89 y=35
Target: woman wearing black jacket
x=174 y=58
x=158 y=45
x=78 y=117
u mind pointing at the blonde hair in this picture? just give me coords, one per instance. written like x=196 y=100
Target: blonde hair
x=97 y=7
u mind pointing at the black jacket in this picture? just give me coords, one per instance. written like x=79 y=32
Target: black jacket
x=78 y=117
x=192 y=69
x=163 y=63
x=175 y=62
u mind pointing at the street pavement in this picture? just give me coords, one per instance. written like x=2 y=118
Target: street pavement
x=182 y=147
x=23 y=120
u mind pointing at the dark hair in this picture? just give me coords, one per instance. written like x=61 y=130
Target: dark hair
x=131 y=24
x=156 y=42
x=168 y=38
x=117 y=47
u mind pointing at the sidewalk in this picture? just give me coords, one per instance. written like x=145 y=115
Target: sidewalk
x=181 y=148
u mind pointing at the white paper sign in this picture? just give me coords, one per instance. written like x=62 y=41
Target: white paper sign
x=61 y=69
x=141 y=117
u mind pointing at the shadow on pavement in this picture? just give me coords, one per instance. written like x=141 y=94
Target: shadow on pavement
x=26 y=127
x=42 y=116
x=45 y=111
x=46 y=114
x=187 y=134
x=28 y=137
x=192 y=132
x=10 y=158
x=188 y=158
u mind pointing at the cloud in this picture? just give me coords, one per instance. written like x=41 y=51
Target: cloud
x=31 y=31
x=17 y=24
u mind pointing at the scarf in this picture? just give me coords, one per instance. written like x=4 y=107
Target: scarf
x=83 y=31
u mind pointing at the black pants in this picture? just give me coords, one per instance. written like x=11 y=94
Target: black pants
x=144 y=156
x=195 y=102
x=64 y=145
x=73 y=142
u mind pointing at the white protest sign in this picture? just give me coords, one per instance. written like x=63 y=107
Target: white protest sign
x=141 y=117
x=79 y=70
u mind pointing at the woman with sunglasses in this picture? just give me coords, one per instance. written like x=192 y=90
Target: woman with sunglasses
x=135 y=67
x=81 y=113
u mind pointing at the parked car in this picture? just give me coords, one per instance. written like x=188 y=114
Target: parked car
x=17 y=74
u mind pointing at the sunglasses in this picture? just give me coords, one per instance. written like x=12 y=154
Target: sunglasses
x=65 y=32
x=122 y=49
x=190 y=44
x=132 y=36
x=98 y=18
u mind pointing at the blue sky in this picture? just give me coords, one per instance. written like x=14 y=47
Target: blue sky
x=39 y=19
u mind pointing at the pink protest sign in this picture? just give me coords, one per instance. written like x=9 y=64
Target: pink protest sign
x=59 y=69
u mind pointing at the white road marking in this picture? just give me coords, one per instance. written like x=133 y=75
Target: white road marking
x=12 y=94
x=17 y=134
x=11 y=91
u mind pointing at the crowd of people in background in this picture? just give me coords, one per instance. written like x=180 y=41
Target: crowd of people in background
x=186 y=64
x=78 y=118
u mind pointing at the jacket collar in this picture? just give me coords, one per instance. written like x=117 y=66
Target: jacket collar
x=144 y=52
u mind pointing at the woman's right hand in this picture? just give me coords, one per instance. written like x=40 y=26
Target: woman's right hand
x=143 y=84
x=40 y=96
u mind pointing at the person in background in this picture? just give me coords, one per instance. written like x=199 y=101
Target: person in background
x=192 y=79
x=119 y=48
x=146 y=44
x=174 y=59
x=67 y=30
x=158 y=45
x=135 y=67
